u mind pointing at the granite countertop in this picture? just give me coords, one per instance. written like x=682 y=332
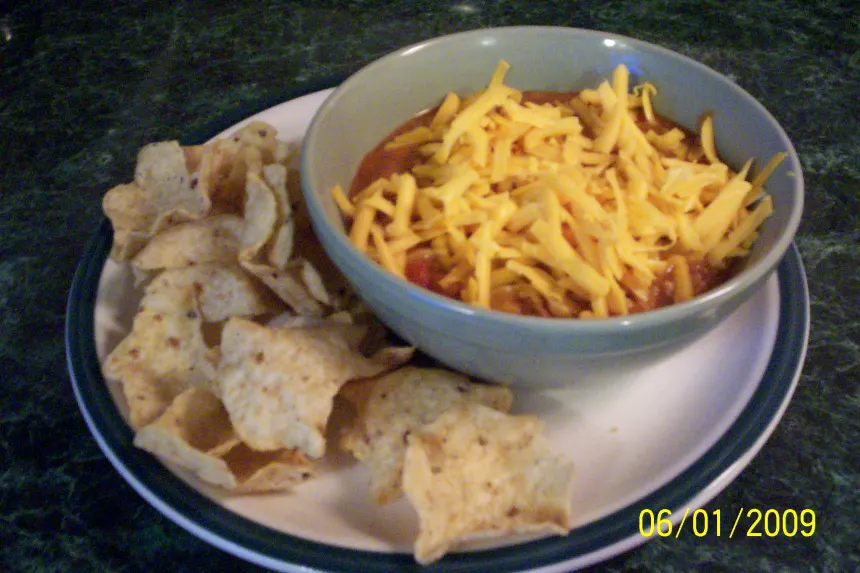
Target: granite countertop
x=84 y=84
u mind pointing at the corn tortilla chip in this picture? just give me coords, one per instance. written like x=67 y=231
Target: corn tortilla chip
x=319 y=273
x=314 y=283
x=278 y=384
x=281 y=245
x=285 y=152
x=195 y=434
x=161 y=170
x=211 y=240
x=163 y=355
x=161 y=195
x=261 y=213
x=261 y=136
x=393 y=356
x=176 y=435
x=281 y=248
x=222 y=290
x=259 y=472
x=477 y=472
x=131 y=216
x=194 y=155
x=287 y=285
x=221 y=175
x=393 y=406
x=145 y=394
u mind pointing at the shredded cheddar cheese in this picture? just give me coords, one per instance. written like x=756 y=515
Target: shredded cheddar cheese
x=579 y=205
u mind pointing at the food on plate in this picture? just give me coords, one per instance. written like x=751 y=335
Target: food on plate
x=162 y=194
x=198 y=227
x=214 y=239
x=247 y=338
x=559 y=204
x=195 y=433
x=477 y=472
x=222 y=290
x=163 y=355
x=278 y=384
x=390 y=408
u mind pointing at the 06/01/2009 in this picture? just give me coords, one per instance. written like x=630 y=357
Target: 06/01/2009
x=751 y=522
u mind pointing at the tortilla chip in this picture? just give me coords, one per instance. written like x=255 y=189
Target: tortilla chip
x=278 y=384
x=285 y=152
x=223 y=290
x=211 y=240
x=163 y=355
x=281 y=244
x=320 y=274
x=239 y=161
x=162 y=171
x=194 y=423
x=162 y=195
x=259 y=472
x=314 y=283
x=199 y=419
x=290 y=320
x=281 y=247
x=393 y=356
x=219 y=162
x=477 y=472
x=129 y=209
x=194 y=155
x=195 y=434
x=390 y=408
x=132 y=244
x=147 y=398
x=261 y=136
x=286 y=284
x=261 y=213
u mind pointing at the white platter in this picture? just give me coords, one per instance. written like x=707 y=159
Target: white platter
x=671 y=436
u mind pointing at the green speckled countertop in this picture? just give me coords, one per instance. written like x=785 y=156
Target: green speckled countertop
x=84 y=84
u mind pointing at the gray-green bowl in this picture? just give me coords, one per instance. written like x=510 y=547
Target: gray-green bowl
x=523 y=350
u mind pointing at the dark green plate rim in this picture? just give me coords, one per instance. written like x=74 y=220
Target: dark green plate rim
x=265 y=546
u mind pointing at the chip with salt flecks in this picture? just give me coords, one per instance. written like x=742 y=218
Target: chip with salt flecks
x=221 y=174
x=278 y=384
x=146 y=395
x=195 y=422
x=476 y=473
x=317 y=271
x=222 y=290
x=363 y=338
x=130 y=213
x=261 y=213
x=162 y=172
x=281 y=244
x=195 y=434
x=163 y=355
x=211 y=240
x=261 y=136
x=391 y=407
x=277 y=470
x=314 y=283
x=264 y=211
x=287 y=284
x=161 y=195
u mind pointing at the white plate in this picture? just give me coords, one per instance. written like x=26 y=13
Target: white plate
x=671 y=436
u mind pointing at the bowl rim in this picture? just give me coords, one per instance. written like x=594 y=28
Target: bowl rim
x=748 y=277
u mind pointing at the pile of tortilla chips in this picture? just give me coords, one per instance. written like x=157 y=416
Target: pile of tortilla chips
x=246 y=339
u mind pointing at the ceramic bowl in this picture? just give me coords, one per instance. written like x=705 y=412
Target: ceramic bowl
x=521 y=350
